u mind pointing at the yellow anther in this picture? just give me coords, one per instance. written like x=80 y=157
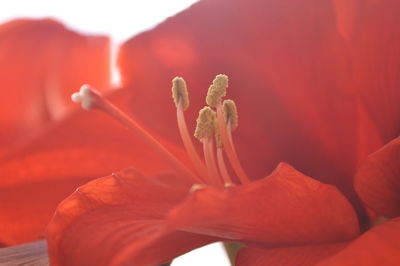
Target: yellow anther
x=180 y=92
x=217 y=90
x=205 y=123
x=230 y=114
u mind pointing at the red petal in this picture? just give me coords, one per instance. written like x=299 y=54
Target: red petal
x=373 y=45
x=378 y=246
x=36 y=177
x=289 y=73
x=284 y=208
x=42 y=63
x=299 y=255
x=117 y=219
x=378 y=180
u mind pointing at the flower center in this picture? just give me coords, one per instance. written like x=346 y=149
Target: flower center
x=217 y=120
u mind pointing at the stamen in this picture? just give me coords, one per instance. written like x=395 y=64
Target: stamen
x=180 y=93
x=230 y=114
x=187 y=142
x=181 y=98
x=222 y=167
x=218 y=140
x=229 y=148
x=204 y=133
x=217 y=90
x=231 y=120
x=205 y=123
x=215 y=178
x=91 y=98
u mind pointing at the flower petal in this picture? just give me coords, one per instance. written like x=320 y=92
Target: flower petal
x=284 y=208
x=289 y=73
x=376 y=60
x=378 y=246
x=42 y=63
x=82 y=147
x=298 y=255
x=117 y=219
x=378 y=180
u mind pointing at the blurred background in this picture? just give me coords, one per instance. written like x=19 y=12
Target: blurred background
x=119 y=19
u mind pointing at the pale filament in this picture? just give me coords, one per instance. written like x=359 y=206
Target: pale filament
x=101 y=103
x=187 y=142
x=222 y=167
x=213 y=175
x=229 y=149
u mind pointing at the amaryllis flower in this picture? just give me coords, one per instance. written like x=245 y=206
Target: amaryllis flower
x=316 y=87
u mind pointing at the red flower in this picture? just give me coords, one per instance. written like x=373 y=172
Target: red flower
x=316 y=86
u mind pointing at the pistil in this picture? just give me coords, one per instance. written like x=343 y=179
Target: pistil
x=92 y=99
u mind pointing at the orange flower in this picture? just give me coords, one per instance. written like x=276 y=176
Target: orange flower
x=316 y=86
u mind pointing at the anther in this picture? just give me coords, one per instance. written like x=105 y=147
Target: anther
x=230 y=114
x=217 y=90
x=205 y=123
x=180 y=93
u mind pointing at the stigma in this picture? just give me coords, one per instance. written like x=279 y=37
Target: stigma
x=215 y=125
x=86 y=96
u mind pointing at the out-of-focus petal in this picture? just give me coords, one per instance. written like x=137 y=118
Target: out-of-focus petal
x=28 y=254
x=378 y=246
x=373 y=41
x=290 y=74
x=82 y=147
x=41 y=64
x=285 y=208
x=378 y=180
x=119 y=219
x=298 y=255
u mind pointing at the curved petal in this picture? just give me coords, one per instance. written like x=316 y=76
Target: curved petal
x=82 y=147
x=42 y=63
x=290 y=74
x=285 y=208
x=378 y=180
x=378 y=246
x=119 y=218
x=298 y=255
